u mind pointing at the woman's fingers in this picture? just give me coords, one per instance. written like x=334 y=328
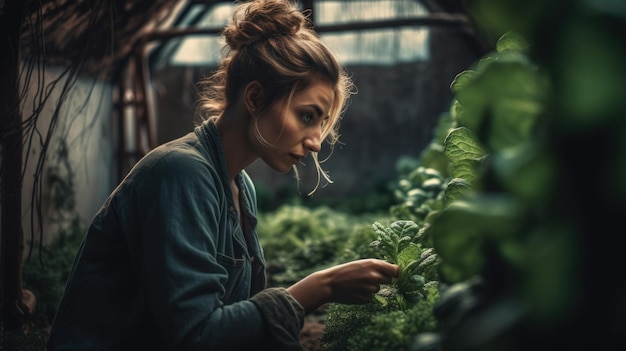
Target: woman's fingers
x=384 y=270
x=389 y=270
x=358 y=281
x=368 y=294
x=353 y=282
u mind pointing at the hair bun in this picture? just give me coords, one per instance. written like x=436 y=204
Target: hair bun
x=261 y=20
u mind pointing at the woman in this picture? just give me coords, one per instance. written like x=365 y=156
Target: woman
x=172 y=259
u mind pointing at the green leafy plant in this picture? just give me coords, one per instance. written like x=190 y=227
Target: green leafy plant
x=419 y=192
x=376 y=326
x=298 y=240
x=400 y=244
x=539 y=178
x=46 y=276
x=400 y=309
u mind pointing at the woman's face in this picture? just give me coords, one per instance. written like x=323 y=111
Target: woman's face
x=295 y=129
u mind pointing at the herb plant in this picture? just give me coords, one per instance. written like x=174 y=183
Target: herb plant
x=400 y=309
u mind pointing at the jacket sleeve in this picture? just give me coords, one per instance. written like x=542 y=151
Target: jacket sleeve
x=278 y=307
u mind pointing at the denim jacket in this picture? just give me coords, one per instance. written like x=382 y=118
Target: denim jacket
x=165 y=263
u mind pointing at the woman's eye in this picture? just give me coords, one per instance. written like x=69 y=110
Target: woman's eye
x=307 y=117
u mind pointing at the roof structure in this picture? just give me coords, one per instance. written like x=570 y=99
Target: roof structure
x=99 y=35
x=96 y=34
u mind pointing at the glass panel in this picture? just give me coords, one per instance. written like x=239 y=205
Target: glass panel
x=383 y=46
x=342 y=12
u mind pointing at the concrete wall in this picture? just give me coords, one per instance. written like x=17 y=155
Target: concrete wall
x=84 y=123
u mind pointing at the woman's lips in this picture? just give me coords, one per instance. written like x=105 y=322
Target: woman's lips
x=296 y=158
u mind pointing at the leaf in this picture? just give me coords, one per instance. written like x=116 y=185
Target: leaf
x=432 y=184
x=512 y=41
x=378 y=228
x=456 y=189
x=403 y=243
x=428 y=261
x=503 y=100
x=404 y=228
x=526 y=171
x=456 y=112
x=409 y=254
x=417 y=194
x=468 y=170
x=465 y=154
x=461 y=229
x=461 y=80
x=427 y=252
x=462 y=144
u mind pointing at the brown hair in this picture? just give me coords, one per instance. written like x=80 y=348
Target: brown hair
x=272 y=42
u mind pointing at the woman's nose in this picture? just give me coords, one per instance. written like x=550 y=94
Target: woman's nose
x=313 y=142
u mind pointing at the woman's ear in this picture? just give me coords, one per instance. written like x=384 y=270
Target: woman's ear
x=252 y=96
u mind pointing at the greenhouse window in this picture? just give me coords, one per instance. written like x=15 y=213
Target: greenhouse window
x=358 y=31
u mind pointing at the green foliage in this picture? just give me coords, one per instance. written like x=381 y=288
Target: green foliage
x=45 y=273
x=418 y=193
x=377 y=327
x=403 y=308
x=495 y=122
x=357 y=245
x=376 y=199
x=509 y=106
x=401 y=243
x=23 y=341
x=466 y=227
x=46 y=276
x=400 y=309
x=345 y=321
x=393 y=240
x=298 y=240
x=465 y=154
x=529 y=217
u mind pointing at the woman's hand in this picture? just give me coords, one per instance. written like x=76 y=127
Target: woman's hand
x=354 y=282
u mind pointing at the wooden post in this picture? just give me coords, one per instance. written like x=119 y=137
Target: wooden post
x=11 y=234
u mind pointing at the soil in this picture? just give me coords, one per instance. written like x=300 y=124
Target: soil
x=313 y=330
